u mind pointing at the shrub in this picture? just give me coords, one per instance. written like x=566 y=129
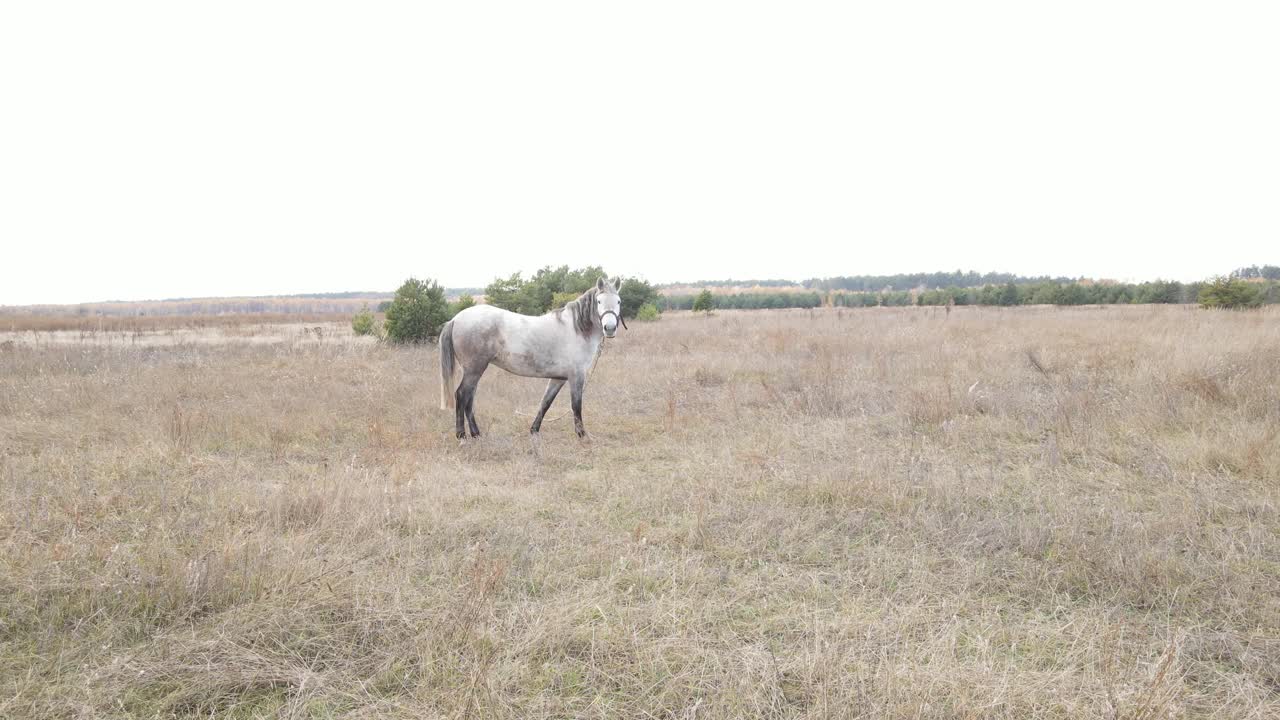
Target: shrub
x=552 y=287
x=462 y=303
x=1008 y=295
x=648 y=313
x=417 y=312
x=704 y=302
x=635 y=295
x=362 y=323
x=1160 y=291
x=561 y=299
x=506 y=294
x=1229 y=293
x=538 y=294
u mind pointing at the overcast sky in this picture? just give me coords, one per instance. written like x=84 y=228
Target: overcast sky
x=169 y=149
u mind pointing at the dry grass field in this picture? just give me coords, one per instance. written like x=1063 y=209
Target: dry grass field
x=885 y=513
x=12 y=324
x=146 y=314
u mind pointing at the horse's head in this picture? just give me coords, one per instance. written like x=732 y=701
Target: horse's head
x=609 y=305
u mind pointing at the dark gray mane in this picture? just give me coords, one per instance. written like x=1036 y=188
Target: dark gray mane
x=583 y=310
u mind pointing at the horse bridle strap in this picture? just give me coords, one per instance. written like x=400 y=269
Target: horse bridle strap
x=610 y=312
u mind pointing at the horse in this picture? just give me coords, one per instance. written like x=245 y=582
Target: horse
x=561 y=346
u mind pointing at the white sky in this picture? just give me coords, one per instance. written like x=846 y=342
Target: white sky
x=180 y=149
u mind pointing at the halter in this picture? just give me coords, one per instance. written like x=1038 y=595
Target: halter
x=616 y=315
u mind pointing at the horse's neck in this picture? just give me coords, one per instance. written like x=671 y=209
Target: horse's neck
x=595 y=345
x=594 y=338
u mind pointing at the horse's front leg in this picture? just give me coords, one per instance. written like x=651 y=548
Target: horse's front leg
x=553 y=389
x=575 y=389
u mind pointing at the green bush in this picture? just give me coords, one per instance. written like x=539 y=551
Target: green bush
x=648 y=313
x=1160 y=291
x=1009 y=295
x=635 y=294
x=1229 y=293
x=551 y=288
x=417 y=313
x=462 y=303
x=362 y=323
x=561 y=299
x=704 y=302
x=537 y=295
x=506 y=294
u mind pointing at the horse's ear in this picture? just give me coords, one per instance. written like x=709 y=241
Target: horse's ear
x=617 y=283
x=599 y=283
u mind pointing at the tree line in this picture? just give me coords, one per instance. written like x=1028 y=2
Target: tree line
x=1218 y=292
x=1227 y=291
x=907 y=282
x=931 y=280
x=743 y=301
x=1075 y=293
x=420 y=307
x=733 y=283
x=1254 y=272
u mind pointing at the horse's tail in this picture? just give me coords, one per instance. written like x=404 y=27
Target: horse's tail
x=446 y=366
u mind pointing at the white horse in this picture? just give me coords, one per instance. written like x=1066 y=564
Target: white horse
x=560 y=345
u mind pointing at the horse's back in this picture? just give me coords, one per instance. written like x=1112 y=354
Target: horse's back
x=520 y=344
x=478 y=330
x=479 y=315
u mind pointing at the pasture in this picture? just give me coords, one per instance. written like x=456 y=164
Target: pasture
x=881 y=513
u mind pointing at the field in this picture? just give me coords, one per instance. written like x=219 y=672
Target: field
x=198 y=312
x=881 y=513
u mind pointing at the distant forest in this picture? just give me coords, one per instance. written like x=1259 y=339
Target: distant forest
x=939 y=281
x=733 y=283
x=935 y=288
x=877 y=283
x=971 y=288
x=349 y=295
x=927 y=281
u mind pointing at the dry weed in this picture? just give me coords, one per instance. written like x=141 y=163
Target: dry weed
x=878 y=513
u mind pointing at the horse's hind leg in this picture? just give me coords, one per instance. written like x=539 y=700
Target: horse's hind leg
x=471 y=414
x=460 y=397
x=466 y=400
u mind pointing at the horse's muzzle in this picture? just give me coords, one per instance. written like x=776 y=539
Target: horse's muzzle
x=609 y=321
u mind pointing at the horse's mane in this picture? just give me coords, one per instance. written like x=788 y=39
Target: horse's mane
x=582 y=311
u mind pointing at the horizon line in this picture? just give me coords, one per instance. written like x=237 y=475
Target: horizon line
x=750 y=282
